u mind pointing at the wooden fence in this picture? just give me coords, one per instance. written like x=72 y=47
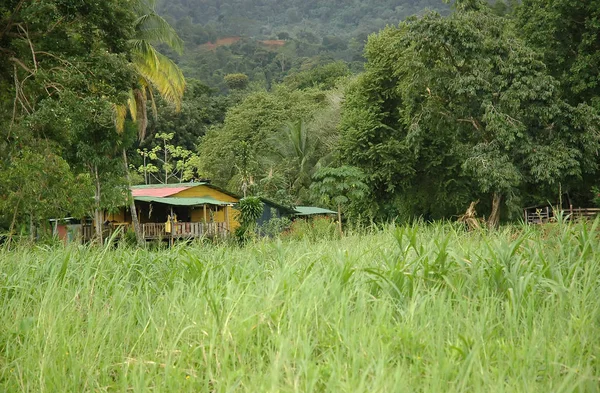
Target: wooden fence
x=542 y=215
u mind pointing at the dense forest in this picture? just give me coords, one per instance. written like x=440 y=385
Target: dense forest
x=267 y=40
x=425 y=111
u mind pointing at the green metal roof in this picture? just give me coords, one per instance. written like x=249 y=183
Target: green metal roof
x=183 y=201
x=283 y=209
x=312 y=211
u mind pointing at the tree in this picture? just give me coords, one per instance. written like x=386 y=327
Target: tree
x=236 y=81
x=567 y=34
x=39 y=186
x=166 y=162
x=458 y=108
x=154 y=71
x=250 y=125
x=200 y=109
x=339 y=186
x=298 y=151
x=62 y=71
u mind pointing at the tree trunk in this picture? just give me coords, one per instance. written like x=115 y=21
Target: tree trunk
x=139 y=236
x=340 y=220
x=13 y=222
x=97 y=218
x=494 y=218
x=31 y=228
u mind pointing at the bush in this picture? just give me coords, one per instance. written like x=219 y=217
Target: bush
x=275 y=226
x=320 y=228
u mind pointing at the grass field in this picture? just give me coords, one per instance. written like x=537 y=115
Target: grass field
x=427 y=308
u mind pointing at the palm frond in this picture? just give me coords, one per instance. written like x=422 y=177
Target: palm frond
x=142 y=118
x=153 y=103
x=120 y=113
x=151 y=27
x=132 y=105
x=162 y=73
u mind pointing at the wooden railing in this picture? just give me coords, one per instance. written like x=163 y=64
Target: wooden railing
x=546 y=214
x=157 y=231
x=184 y=230
x=87 y=232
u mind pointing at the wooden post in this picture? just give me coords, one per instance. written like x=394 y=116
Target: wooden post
x=340 y=220
x=227 y=217
x=172 y=227
x=205 y=218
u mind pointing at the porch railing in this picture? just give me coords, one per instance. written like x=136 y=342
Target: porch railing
x=179 y=230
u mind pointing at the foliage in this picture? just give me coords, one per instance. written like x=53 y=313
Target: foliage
x=324 y=77
x=312 y=230
x=63 y=70
x=200 y=109
x=167 y=163
x=248 y=128
x=275 y=227
x=42 y=186
x=340 y=185
x=567 y=34
x=250 y=208
x=424 y=308
x=458 y=108
x=236 y=81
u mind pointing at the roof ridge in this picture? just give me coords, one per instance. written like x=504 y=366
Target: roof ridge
x=169 y=185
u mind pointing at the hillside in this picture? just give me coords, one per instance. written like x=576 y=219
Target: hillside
x=269 y=39
x=263 y=18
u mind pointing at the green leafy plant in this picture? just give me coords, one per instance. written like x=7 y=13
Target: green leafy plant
x=339 y=186
x=251 y=208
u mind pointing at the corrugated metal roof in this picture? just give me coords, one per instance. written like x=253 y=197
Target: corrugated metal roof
x=182 y=201
x=156 y=192
x=184 y=185
x=312 y=211
x=161 y=190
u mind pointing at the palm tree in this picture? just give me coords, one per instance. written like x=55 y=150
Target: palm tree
x=299 y=149
x=155 y=71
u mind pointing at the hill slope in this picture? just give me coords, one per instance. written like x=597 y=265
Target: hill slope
x=271 y=17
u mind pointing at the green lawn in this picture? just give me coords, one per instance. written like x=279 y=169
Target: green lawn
x=427 y=308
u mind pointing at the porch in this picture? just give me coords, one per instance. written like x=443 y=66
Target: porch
x=158 y=231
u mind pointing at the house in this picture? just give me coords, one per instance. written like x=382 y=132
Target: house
x=177 y=211
x=184 y=211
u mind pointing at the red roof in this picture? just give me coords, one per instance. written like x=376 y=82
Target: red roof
x=160 y=192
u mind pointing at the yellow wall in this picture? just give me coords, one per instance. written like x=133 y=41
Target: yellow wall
x=219 y=214
x=116 y=217
x=204 y=191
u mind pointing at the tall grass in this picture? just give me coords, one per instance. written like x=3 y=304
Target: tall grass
x=405 y=309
